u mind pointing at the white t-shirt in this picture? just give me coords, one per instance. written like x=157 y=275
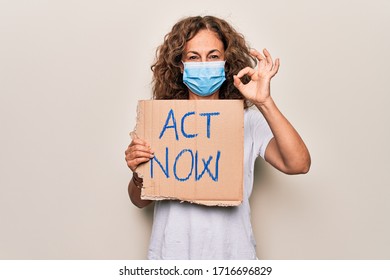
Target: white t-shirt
x=183 y=230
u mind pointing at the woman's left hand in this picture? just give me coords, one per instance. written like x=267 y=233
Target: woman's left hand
x=258 y=89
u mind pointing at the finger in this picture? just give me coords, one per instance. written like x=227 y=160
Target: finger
x=268 y=57
x=237 y=82
x=139 y=149
x=276 y=67
x=246 y=71
x=139 y=154
x=133 y=164
x=139 y=141
x=257 y=54
x=133 y=135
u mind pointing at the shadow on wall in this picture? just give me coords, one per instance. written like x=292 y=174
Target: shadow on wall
x=263 y=174
x=147 y=213
x=266 y=195
x=286 y=218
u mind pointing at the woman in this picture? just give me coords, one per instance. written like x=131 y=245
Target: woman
x=211 y=46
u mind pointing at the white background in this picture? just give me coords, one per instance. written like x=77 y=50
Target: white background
x=71 y=73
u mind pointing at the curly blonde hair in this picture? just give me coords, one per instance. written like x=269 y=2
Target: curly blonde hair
x=167 y=80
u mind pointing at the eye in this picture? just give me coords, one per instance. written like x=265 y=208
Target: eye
x=193 y=57
x=214 y=57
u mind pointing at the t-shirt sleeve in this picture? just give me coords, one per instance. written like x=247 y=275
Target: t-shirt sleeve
x=260 y=131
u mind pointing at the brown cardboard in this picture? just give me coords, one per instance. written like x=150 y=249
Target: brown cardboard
x=202 y=141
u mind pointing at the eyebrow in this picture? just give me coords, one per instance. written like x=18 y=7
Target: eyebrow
x=211 y=51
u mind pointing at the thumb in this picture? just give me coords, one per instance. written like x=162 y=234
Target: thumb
x=133 y=135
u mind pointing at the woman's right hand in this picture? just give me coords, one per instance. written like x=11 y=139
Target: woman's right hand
x=138 y=152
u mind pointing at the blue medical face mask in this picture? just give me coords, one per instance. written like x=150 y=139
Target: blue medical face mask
x=204 y=78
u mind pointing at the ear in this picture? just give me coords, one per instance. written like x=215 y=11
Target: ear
x=181 y=67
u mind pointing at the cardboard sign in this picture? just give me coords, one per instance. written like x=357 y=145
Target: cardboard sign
x=198 y=150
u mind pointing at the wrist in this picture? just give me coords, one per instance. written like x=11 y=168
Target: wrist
x=265 y=105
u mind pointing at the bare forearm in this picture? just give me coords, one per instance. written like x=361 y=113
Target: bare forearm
x=291 y=155
x=135 y=194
